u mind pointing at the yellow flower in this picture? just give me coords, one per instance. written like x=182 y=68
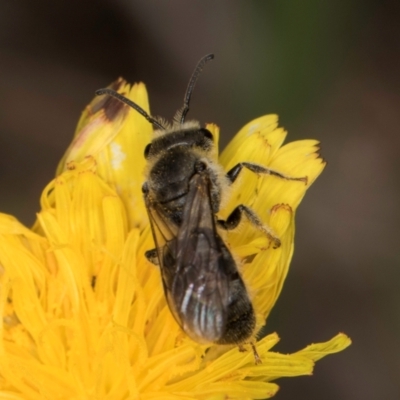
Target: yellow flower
x=84 y=314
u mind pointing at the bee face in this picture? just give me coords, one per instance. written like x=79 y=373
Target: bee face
x=202 y=283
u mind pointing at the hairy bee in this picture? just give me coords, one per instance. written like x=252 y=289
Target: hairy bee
x=202 y=283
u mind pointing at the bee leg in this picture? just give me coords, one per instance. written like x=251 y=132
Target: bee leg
x=233 y=173
x=235 y=217
x=152 y=256
x=257 y=358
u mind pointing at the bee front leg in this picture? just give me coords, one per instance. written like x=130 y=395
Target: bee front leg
x=152 y=256
x=235 y=217
x=234 y=172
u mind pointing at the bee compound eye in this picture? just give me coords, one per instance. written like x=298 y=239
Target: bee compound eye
x=147 y=150
x=200 y=166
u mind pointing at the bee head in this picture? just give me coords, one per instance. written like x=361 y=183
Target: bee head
x=191 y=135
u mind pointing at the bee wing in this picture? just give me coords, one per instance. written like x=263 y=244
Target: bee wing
x=165 y=237
x=196 y=266
x=200 y=289
x=164 y=231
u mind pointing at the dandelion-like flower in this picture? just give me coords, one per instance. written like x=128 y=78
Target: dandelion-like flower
x=83 y=312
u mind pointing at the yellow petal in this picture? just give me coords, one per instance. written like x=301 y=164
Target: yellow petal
x=121 y=164
x=319 y=350
x=99 y=124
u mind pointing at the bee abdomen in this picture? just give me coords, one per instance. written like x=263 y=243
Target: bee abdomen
x=239 y=326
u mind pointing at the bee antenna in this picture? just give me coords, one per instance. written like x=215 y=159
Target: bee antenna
x=192 y=83
x=130 y=103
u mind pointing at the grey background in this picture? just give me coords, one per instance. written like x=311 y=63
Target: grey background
x=330 y=69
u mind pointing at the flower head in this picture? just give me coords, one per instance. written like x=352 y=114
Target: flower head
x=84 y=313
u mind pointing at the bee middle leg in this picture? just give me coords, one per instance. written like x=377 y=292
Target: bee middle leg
x=234 y=172
x=235 y=217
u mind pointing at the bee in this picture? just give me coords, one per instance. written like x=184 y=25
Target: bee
x=182 y=192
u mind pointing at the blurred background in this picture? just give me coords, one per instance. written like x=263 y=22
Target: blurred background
x=329 y=69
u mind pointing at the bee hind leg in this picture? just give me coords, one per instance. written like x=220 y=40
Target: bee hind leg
x=152 y=256
x=235 y=217
x=257 y=358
